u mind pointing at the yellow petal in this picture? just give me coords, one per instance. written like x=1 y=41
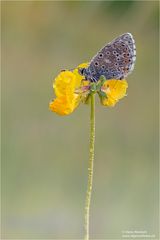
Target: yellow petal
x=66 y=87
x=78 y=76
x=67 y=100
x=115 y=90
x=83 y=65
x=64 y=83
x=63 y=106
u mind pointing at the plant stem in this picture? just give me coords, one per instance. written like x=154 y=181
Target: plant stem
x=90 y=167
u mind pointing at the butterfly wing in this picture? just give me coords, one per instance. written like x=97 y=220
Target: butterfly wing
x=115 y=60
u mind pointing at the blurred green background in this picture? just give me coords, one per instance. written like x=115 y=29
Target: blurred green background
x=45 y=156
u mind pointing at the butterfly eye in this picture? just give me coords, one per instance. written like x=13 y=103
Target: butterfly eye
x=81 y=71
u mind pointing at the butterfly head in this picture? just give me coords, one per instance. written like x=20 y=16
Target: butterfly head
x=84 y=72
x=87 y=74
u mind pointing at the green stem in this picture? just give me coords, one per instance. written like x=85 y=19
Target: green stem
x=90 y=168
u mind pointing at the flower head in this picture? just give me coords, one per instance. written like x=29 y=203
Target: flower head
x=67 y=86
x=114 y=90
x=71 y=88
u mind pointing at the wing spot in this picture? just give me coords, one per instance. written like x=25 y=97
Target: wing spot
x=96 y=63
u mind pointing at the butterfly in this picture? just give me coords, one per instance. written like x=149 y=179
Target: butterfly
x=114 y=61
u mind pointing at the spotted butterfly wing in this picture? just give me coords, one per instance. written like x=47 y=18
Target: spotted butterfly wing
x=115 y=60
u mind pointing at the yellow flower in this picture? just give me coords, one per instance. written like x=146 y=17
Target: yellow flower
x=70 y=90
x=68 y=95
x=115 y=90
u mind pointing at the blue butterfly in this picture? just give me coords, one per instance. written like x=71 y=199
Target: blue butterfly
x=114 y=61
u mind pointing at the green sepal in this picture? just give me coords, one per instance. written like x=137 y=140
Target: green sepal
x=99 y=85
x=102 y=94
x=102 y=79
x=93 y=87
x=87 y=99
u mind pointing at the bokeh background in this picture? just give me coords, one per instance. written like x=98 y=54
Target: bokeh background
x=45 y=156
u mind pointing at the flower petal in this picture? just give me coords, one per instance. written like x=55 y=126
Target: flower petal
x=79 y=77
x=65 y=86
x=63 y=106
x=115 y=90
